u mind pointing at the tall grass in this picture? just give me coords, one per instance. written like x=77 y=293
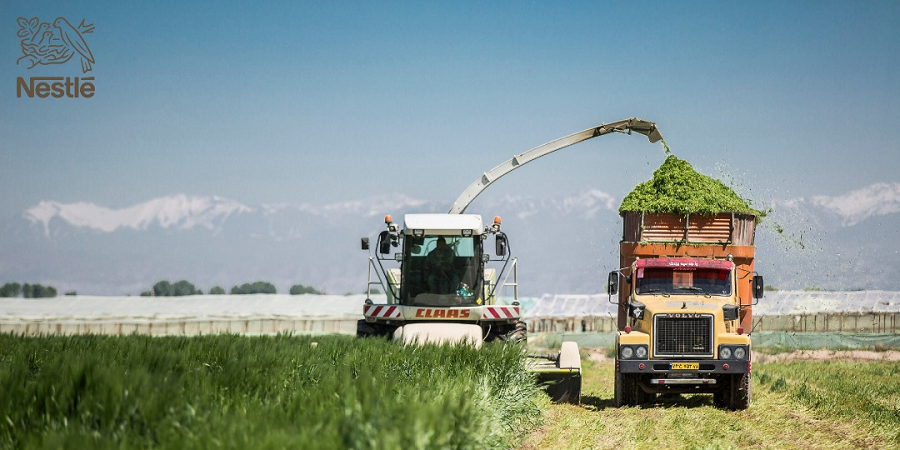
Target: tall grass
x=260 y=392
x=867 y=392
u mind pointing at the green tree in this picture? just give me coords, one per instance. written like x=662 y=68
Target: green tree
x=38 y=291
x=162 y=288
x=299 y=289
x=11 y=290
x=258 y=287
x=180 y=288
x=217 y=290
x=183 y=287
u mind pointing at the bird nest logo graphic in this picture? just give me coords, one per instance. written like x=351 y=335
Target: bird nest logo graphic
x=49 y=44
x=57 y=43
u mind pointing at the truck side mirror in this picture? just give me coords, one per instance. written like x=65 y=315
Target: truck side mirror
x=501 y=244
x=365 y=243
x=384 y=243
x=612 y=287
x=759 y=287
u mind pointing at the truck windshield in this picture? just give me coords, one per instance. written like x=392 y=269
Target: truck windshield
x=441 y=271
x=683 y=281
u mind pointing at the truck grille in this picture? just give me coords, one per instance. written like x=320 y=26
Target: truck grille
x=683 y=335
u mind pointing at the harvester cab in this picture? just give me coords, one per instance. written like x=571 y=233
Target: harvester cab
x=435 y=270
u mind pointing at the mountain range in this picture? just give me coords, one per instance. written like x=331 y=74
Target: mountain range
x=564 y=244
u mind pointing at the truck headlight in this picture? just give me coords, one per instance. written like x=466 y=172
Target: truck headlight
x=626 y=352
x=725 y=353
x=734 y=352
x=640 y=352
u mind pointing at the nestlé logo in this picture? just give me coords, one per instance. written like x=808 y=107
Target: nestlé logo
x=57 y=43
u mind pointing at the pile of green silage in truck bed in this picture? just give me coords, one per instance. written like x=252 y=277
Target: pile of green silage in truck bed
x=676 y=188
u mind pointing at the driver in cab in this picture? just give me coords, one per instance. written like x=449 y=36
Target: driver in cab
x=440 y=261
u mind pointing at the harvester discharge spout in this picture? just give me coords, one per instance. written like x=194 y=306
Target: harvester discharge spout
x=634 y=124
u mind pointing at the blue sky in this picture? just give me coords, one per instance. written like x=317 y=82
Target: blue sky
x=331 y=101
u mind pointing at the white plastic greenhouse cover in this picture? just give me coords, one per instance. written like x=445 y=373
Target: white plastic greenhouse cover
x=774 y=303
x=350 y=307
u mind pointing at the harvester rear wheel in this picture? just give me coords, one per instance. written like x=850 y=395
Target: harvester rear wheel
x=517 y=335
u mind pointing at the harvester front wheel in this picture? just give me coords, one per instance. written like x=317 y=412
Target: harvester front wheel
x=365 y=329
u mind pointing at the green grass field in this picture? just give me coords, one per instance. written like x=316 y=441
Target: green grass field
x=339 y=392
x=260 y=392
x=798 y=405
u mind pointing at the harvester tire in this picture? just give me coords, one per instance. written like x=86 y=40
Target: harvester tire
x=364 y=329
x=371 y=330
x=740 y=392
x=518 y=337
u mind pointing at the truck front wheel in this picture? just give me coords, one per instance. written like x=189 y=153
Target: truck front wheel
x=618 y=398
x=739 y=391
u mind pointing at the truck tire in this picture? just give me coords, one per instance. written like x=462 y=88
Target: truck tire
x=638 y=395
x=630 y=390
x=721 y=398
x=618 y=396
x=740 y=392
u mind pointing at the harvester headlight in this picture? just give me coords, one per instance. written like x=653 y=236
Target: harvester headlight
x=626 y=352
x=640 y=352
x=418 y=233
x=725 y=353
x=467 y=233
x=740 y=353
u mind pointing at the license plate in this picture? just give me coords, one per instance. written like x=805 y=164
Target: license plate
x=685 y=366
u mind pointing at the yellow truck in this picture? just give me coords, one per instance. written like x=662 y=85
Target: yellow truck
x=685 y=290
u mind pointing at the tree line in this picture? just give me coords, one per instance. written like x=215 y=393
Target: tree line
x=180 y=288
x=27 y=290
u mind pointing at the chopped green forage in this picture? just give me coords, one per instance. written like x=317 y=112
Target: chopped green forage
x=676 y=188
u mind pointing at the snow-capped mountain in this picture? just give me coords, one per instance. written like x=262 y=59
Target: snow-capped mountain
x=175 y=211
x=565 y=244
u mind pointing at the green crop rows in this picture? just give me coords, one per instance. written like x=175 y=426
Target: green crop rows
x=260 y=392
